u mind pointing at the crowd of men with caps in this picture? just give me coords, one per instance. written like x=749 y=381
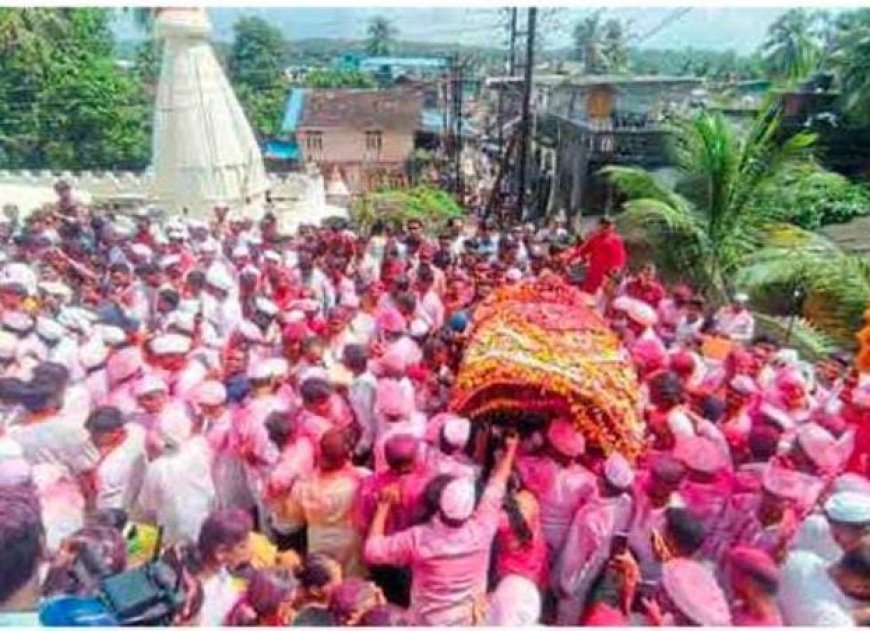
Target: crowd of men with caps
x=276 y=404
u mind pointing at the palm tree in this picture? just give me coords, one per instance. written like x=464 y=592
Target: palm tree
x=793 y=47
x=850 y=59
x=836 y=284
x=381 y=36
x=705 y=222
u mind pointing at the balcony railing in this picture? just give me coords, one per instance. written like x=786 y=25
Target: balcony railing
x=630 y=144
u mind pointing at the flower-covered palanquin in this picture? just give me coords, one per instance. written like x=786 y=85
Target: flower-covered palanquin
x=540 y=349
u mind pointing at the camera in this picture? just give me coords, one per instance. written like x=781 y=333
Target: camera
x=149 y=595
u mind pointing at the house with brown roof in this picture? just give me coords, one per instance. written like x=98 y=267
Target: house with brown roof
x=366 y=136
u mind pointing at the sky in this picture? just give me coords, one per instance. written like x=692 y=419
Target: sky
x=739 y=28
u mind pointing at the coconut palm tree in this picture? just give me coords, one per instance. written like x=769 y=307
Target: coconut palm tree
x=836 y=284
x=793 y=47
x=705 y=222
x=382 y=35
x=850 y=59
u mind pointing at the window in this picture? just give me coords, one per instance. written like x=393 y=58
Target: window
x=314 y=141
x=374 y=141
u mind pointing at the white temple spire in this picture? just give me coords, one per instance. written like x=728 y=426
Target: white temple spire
x=204 y=151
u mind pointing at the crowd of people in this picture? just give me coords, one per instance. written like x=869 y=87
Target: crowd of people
x=271 y=412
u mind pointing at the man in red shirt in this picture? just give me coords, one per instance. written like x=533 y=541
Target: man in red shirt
x=603 y=251
x=645 y=286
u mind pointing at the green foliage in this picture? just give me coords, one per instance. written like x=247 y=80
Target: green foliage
x=601 y=46
x=793 y=47
x=708 y=217
x=718 y=65
x=434 y=206
x=381 y=36
x=810 y=196
x=256 y=68
x=63 y=102
x=337 y=78
x=850 y=58
x=836 y=283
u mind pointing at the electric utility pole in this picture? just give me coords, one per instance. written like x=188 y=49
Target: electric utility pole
x=525 y=121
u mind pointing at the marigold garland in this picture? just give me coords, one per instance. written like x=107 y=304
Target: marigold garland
x=539 y=346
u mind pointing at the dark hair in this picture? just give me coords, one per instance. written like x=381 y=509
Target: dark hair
x=401 y=284
x=518 y=523
x=265 y=592
x=381 y=616
x=20 y=538
x=279 y=426
x=223 y=528
x=763 y=441
x=712 y=408
x=356 y=356
x=50 y=373
x=857 y=561
x=686 y=530
x=425 y=274
x=667 y=387
x=406 y=301
x=315 y=389
x=430 y=505
x=11 y=389
x=763 y=338
x=352 y=594
x=40 y=395
x=103 y=419
x=315 y=570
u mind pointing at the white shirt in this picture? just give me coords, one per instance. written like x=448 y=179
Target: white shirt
x=56 y=441
x=179 y=492
x=809 y=597
x=120 y=473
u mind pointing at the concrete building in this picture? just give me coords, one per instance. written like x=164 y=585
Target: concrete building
x=365 y=136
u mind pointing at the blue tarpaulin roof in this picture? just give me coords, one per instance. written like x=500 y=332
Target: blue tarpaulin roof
x=280 y=150
x=292 y=111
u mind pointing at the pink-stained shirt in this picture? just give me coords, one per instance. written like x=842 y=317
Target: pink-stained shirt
x=433 y=309
x=709 y=504
x=402 y=515
x=560 y=491
x=449 y=565
x=324 y=503
x=586 y=551
x=531 y=559
x=415 y=426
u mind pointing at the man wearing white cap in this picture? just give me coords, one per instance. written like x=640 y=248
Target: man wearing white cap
x=156 y=409
x=590 y=536
x=448 y=456
x=449 y=555
x=220 y=306
x=735 y=321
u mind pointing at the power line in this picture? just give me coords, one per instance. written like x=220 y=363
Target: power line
x=667 y=21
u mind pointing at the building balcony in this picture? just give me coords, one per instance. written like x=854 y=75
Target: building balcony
x=638 y=144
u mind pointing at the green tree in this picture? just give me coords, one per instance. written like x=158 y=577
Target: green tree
x=63 y=102
x=256 y=69
x=431 y=205
x=707 y=218
x=588 y=43
x=849 y=59
x=793 y=46
x=337 y=78
x=381 y=36
x=836 y=283
x=601 y=46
